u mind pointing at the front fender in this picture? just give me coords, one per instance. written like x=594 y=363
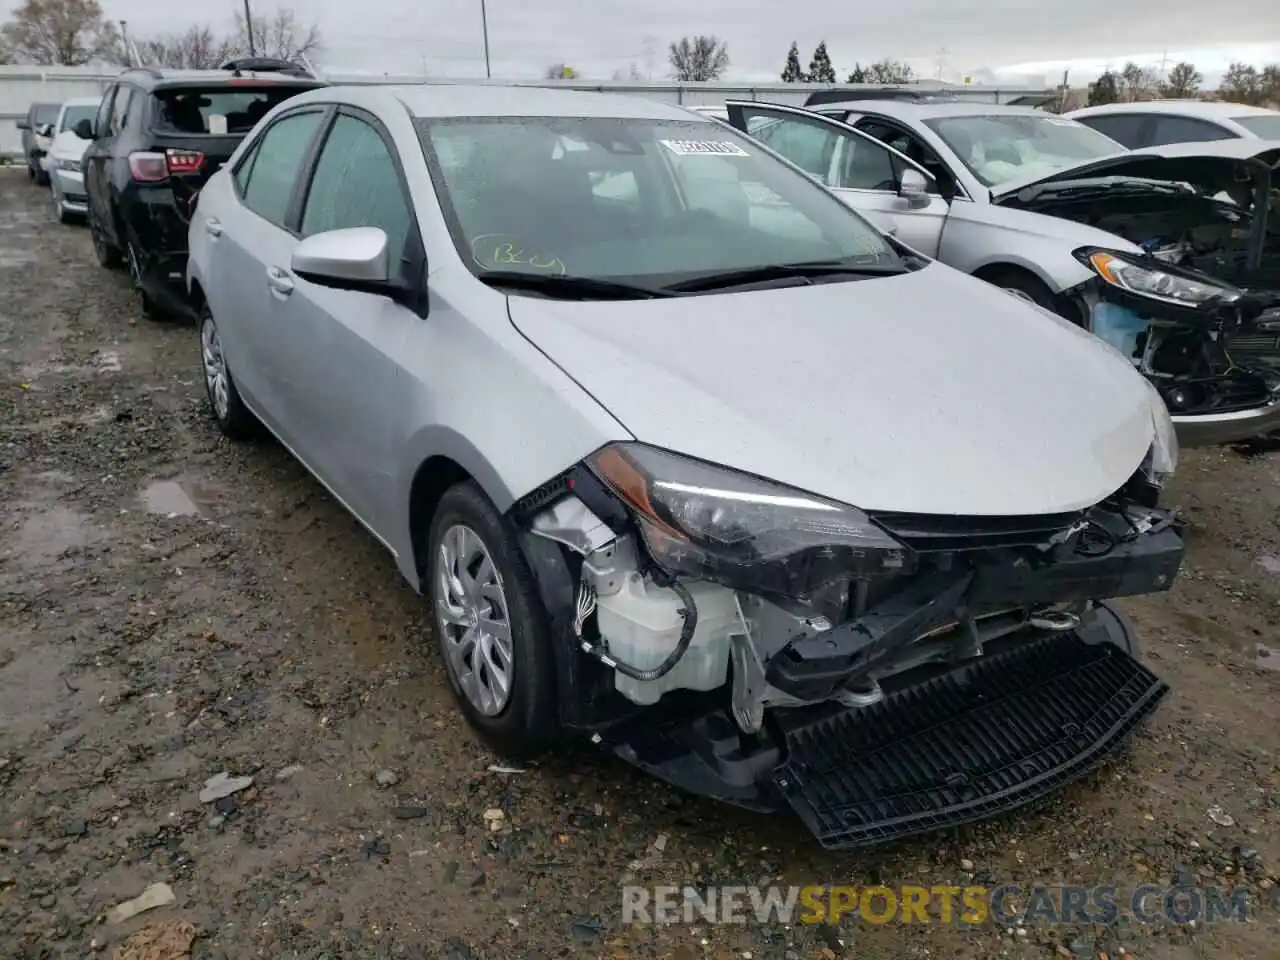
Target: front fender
x=982 y=235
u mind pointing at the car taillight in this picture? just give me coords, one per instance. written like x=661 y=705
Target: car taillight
x=184 y=161
x=147 y=167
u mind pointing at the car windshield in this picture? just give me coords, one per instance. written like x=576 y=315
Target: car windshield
x=640 y=201
x=73 y=115
x=219 y=110
x=1261 y=125
x=1003 y=147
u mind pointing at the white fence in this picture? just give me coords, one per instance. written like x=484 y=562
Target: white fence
x=22 y=86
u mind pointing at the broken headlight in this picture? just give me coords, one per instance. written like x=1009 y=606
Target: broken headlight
x=1144 y=281
x=1162 y=459
x=718 y=524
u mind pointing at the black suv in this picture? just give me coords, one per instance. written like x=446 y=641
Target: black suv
x=158 y=136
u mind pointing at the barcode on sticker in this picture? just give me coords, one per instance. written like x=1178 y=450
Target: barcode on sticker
x=715 y=148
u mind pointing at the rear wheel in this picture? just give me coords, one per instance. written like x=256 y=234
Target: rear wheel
x=491 y=627
x=104 y=251
x=229 y=412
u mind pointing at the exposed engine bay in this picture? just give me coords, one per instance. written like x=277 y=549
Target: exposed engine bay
x=1199 y=314
x=711 y=632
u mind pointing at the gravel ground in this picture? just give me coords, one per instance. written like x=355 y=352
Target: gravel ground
x=173 y=607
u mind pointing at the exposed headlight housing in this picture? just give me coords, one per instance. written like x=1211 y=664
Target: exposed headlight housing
x=717 y=524
x=71 y=166
x=1145 y=281
x=1162 y=459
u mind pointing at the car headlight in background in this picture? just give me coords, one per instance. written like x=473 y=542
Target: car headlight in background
x=70 y=166
x=1157 y=284
x=1162 y=459
x=717 y=524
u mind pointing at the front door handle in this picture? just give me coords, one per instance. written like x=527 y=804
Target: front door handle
x=213 y=227
x=279 y=281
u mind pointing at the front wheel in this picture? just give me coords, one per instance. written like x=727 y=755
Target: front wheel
x=491 y=628
x=229 y=412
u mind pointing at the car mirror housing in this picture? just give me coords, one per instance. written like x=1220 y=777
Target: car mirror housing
x=23 y=125
x=45 y=130
x=914 y=187
x=83 y=129
x=355 y=259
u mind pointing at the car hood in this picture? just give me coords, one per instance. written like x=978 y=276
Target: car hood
x=1210 y=166
x=930 y=392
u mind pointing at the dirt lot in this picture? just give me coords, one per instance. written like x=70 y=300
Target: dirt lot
x=173 y=607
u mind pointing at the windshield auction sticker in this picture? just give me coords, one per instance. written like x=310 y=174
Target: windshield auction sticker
x=693 y=148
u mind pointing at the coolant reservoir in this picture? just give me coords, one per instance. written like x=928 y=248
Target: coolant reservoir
x=641 y=623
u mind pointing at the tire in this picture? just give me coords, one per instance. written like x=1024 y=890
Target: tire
x=42 y=178
x=31 y=171
x=225 y=406
x=465 y=530
x=106 y=253
x=59 y=211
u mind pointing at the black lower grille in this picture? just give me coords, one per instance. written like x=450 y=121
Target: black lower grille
x=985 y=738
x=924 y=532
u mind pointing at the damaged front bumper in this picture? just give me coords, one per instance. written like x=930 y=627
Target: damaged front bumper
x=980 y=682
x=961 y=743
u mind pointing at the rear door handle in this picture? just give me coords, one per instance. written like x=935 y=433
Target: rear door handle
x=279 y=281
x=213 y=227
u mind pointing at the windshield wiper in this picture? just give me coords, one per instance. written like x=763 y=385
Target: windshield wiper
x=570 y=288
x=745 y=276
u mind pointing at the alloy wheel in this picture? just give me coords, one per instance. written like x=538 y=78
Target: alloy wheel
x=215 y=367
x=473 y=621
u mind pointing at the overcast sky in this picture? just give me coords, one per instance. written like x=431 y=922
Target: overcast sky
x=600 y=36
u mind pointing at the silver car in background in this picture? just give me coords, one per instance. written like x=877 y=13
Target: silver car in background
x=63 y=161
x=1151 y=123
x=692 y=460
x=1157 y=251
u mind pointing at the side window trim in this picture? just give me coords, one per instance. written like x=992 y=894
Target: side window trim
x=250 y=158
x=302 y=189
x=895 y=124
x=118 y=123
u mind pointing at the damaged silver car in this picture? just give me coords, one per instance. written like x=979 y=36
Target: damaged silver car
x=1170 y=253
x=691 y=459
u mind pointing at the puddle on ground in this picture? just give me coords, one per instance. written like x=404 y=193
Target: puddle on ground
x=1269 y=563
x=47 y=533
x=1268 y=659
x=179 y=498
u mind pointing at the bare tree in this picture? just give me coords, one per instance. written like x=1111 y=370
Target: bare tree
x=66 y=32
x=279 y=34
x=1269 y=82
x=561 y=71
x=197 y=49
x=888 y=71
x=1138 y=82
x=698 y=58
x=1241 y=84
x=1183 y=81
x=1106 y=89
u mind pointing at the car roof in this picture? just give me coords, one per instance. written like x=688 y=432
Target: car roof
x=483 y=100
x=1208 y=109
x=932 y=109
x=82 y=101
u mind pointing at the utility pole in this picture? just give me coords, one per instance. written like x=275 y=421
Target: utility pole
x=484 y=25
x=124 y=42
x=248 y=28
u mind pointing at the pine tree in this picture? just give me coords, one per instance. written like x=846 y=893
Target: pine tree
x=792 y=73
x=820 y=69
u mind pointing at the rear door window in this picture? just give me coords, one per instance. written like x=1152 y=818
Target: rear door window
x=217 y=110
x=278 y=157
x=1187 y=130
x=1126 y=129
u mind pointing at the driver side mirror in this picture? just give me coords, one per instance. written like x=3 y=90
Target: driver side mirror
x=83 y=129
x=23 y=125
x=44 y=130
x=355 y=259
x=914 y=187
